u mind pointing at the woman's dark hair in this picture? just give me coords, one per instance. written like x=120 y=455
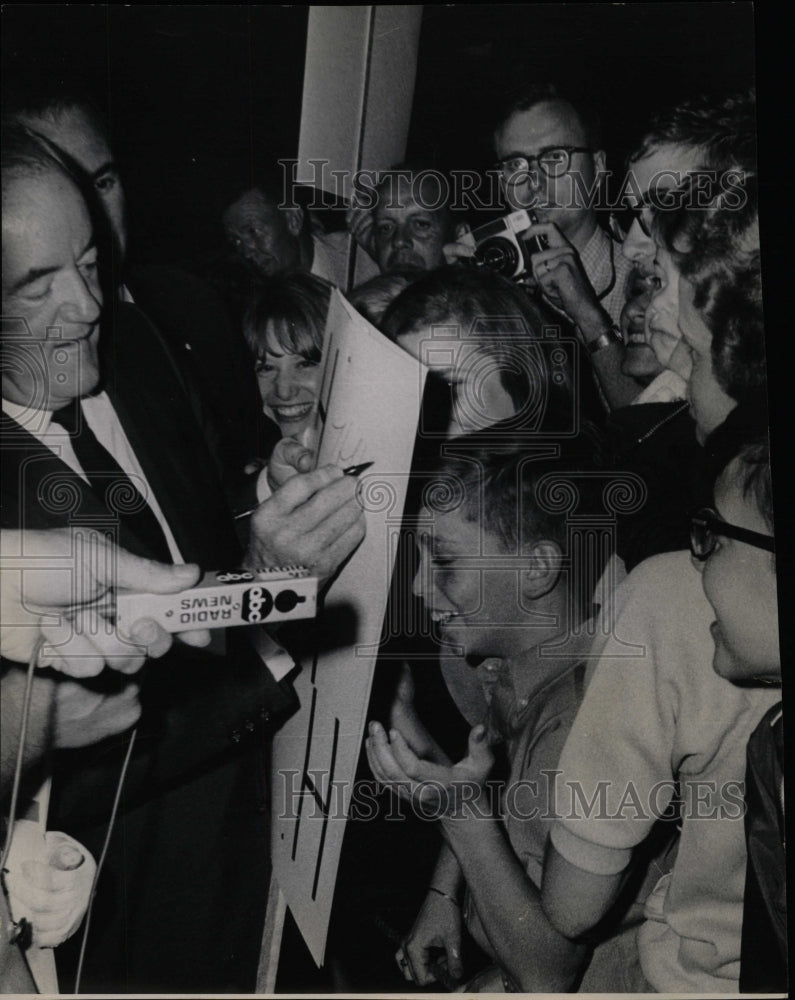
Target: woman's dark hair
x=715 y=245
x=723 y=128
x=289 y=312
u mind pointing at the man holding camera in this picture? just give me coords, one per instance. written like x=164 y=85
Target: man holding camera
x=551 y=164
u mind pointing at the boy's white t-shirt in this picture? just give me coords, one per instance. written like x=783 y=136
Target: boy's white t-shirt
x=655 y=711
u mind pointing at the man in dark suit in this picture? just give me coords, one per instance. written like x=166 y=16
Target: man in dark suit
x=191 y=317
x=181 y=901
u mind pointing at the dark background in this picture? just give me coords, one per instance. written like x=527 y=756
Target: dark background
x=200 y=98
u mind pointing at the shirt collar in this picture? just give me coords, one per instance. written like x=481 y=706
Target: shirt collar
x=596 y=252
x=36 y=421
x=524 y=677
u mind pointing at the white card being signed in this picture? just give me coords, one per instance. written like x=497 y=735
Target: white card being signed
x=369 y=401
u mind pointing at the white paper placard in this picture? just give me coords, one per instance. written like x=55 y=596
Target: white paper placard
x=370 y=396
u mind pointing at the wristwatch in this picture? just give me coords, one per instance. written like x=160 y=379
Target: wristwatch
x=610 y=336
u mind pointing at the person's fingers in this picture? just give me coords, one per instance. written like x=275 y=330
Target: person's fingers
x=403 y=964
x=31 y=885
x=454 y=964
x=71 y=652
x=462 y=229
x=340 y=550
x=125 y=653
x=374 y=760
x=380 y=755
x=555 y=256
x=290 y=451
x=321 y=547
x=305 y=460
x=454 y=252
x=83 y=717
x=136 y=573
x=314 y=520
x=380 y=760
x=681 y=360
x=66 y=857
x=150 y=637
x=404 y=756
x=415 y=971
x=405 y=686
x=197 y=637
x=663 y=344
x=554 y=236
x=418 y=961
x=360 y=224
x=356 y=211
x=298 y=490
x=337 y=498
x=320 y=534
x=480 y=753
x=328 y=533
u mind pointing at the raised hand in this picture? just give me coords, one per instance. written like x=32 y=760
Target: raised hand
x=439 y=789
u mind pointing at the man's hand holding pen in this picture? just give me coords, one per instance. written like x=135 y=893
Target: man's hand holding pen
x=313 y=520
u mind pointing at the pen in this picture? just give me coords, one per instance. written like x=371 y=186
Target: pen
x=352 y=470
x=355 y=470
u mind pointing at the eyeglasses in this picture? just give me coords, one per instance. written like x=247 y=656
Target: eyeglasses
x=706 y=527
x=554 y=161
x=625 y=215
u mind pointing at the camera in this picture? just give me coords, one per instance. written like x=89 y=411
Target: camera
x=498 y=247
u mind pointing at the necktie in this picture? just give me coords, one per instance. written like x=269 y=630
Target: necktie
x=111 y=484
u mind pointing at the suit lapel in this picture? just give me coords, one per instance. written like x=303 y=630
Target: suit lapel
x=146 y=389
x=39 y=489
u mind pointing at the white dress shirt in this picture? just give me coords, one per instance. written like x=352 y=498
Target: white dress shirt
x=100 y=416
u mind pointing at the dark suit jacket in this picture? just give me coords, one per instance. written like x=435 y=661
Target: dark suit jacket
x=181 y=903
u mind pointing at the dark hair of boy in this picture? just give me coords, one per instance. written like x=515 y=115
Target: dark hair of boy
x=523 y=498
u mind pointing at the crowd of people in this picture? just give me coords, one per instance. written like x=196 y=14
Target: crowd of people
x=595 y=575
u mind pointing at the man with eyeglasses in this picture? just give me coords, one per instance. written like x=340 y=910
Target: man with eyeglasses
x=551 y=163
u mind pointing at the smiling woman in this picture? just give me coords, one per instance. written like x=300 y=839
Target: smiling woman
x=284 y=330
